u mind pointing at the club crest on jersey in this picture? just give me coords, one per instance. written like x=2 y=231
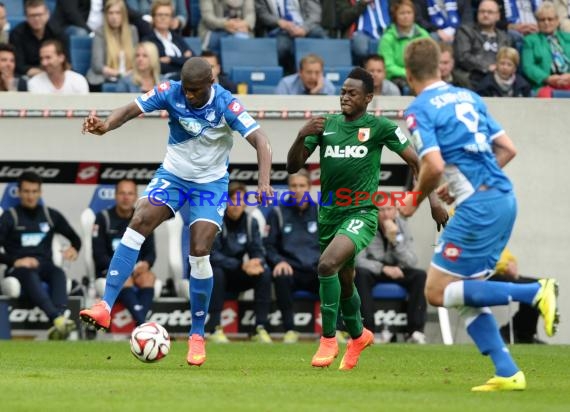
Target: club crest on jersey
x=364 y=134
x=411 y=121
x=235 y=107
x=164 y=86
x=451 y=252
x=44 y=227
x=191 y=125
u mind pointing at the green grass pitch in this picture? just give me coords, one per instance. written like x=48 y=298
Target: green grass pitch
x=104 y=376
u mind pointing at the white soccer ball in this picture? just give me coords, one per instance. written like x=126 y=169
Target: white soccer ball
x=150 y=342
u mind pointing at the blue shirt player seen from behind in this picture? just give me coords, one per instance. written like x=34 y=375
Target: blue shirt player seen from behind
x=456 y=138
x=202 y=119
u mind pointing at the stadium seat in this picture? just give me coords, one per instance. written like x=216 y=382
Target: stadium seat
x=335 y=53
x=390 y=291
x=103 y=198
x=195 y=44
x=10 y=286
x=194 y=16
x=15 y=8
x=262 y=89
x=109 y=87
x=13 y=21
x=251 y=61
x=373 y=46
x=51 y=5
x=80 y=53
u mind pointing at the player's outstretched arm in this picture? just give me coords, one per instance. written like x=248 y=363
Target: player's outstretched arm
x=258 y=139
x=298 y=154
x=117 y=118
x=504 y=149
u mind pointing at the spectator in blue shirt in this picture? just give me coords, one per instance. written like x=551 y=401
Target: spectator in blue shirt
x=309 y=80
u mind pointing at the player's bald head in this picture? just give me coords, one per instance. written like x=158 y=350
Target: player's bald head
x=195 y=70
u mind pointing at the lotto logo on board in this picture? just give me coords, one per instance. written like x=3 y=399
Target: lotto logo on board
x=164 y=86
x=451 y=252
x=87 y=173
x=235 y=107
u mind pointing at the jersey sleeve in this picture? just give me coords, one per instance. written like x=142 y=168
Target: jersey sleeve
x=392 y=136
x=154 y=99
x=237 y=117
x=422 y=131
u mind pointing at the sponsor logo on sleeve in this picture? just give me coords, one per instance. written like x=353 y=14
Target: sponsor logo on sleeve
x=235 y=107
x=164 y=86
x=246 y=119
x=411 y=121
x=401 y=136
x=147 y=95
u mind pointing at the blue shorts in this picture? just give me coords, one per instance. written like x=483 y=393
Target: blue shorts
x=476 y=235
x=207 y=201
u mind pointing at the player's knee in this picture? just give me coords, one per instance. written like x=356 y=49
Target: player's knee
x=327 y=267
x=434 y=295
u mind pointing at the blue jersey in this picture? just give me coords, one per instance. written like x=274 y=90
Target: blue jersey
x=200 y=139
x=455 y=121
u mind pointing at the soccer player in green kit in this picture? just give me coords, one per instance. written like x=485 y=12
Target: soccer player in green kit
x=350 y=148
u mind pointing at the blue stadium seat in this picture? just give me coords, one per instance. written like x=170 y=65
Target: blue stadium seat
x=373 y=46
x=195 y=44
x=251 y=61
x=13 y=21
x=103 y=198
x=391 y=291
x=305 y=295
x=109 y=87
x=51 y=5
x=80 y=53
x=262 y=89
x=14 y=8
x=194 y=15
x=335 y=53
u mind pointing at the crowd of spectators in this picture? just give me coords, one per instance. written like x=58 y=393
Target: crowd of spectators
x=471 y=33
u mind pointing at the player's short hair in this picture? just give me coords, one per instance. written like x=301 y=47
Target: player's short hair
x=310 y=59
x=358 y=73
x=30 y=177
x=195 y=69
x=509 y=53
x=421 y=58
x=399 y=3
x=303 y=173
x=235 y=187
x=373 y=58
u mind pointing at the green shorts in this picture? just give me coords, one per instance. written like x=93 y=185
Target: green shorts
x=360 y=227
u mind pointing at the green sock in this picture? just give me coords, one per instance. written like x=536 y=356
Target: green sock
x=329 y=292
x=350 y=308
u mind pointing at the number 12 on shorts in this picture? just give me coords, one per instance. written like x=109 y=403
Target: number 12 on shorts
x=355 y=225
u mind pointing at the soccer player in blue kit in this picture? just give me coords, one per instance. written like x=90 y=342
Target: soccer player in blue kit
x=202 y=118
x=457 y=138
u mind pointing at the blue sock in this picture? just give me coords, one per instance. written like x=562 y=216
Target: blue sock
x=129 y=298
x=479 y=294
x=201 y=285
x=485 y=333
x=200 y=292
x=122 y=265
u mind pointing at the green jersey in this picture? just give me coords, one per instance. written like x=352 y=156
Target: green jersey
x=350 y=161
